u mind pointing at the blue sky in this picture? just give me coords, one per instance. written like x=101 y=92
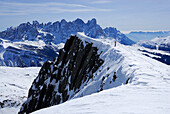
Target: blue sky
x=125 y=15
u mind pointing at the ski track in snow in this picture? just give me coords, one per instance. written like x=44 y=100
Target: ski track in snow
x=148 y=92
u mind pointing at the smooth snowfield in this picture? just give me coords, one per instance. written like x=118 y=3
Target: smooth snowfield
x=148 y=90
x=14 y=85
x=127 y=99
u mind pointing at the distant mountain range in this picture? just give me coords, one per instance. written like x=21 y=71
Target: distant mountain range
x=58 y=32
x=137 y=36
x=157 y=48
x=32 y=44
x=159 y=43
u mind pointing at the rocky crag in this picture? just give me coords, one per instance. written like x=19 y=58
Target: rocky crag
x=59 y=80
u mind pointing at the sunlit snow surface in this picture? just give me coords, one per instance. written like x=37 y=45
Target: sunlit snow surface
x=127 y=99
x=148 y=92
x=14 y=85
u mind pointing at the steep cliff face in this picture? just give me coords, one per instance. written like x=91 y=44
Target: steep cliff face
x=61 y=79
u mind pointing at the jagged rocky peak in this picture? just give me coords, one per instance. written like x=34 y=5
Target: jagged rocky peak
x=52 y=33
x=93 y=21
x=63 y=21
x=62 y=30
x=79 y=21
x=25 y=31
x=111 y=30
x=59 y=80
x=36 y=24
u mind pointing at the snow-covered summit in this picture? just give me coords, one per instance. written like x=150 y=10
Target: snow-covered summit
x=131 y=58
x=121 y=65
x=162 y=40
x=147 y=91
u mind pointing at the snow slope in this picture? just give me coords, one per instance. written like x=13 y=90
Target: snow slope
x=147 y=91
x=128 y=99
x=14 y=85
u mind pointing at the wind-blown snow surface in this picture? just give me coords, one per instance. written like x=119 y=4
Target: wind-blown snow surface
x=128 y=99
x=147 y=92
x=14 y=85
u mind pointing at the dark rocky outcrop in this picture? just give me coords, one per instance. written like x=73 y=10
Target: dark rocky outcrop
x=61 y=79
x=9 y=103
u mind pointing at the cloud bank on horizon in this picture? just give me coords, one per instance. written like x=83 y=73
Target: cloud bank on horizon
x=126 y=15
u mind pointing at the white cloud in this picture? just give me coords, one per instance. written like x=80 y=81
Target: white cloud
x=3 y=14
x=57 y=10
x=47 y=4
x=15 y=8
x=100 y=2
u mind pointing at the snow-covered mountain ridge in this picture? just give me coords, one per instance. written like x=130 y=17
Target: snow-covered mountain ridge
x=27 y=53
x=122 y=65
x=159 y=43
x=157 y=48
x=48 y=36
